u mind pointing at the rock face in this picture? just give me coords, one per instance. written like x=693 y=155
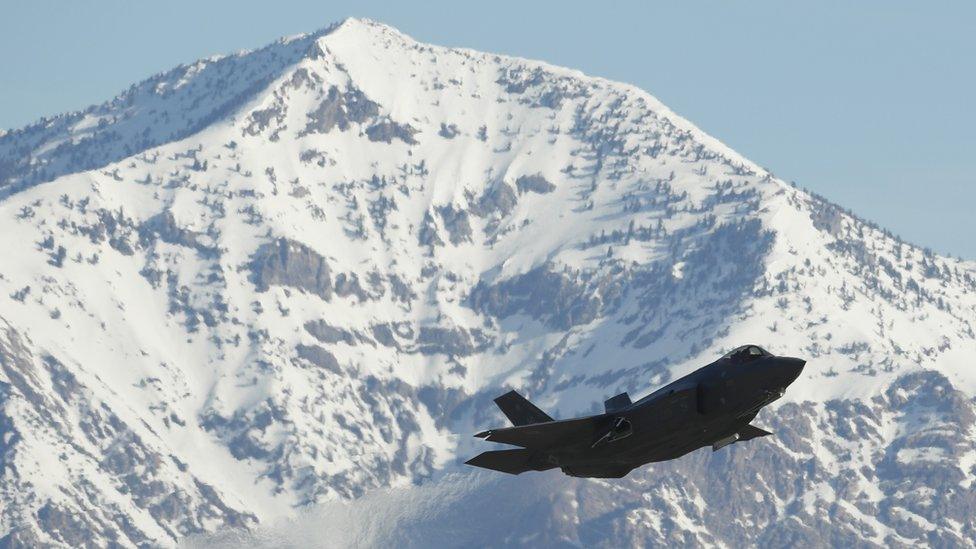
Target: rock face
x=339 y=110
x=288 y=263
x=534 y=183
x=292 y=277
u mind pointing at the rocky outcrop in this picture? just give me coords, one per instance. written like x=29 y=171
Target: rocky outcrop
x=498 y=199
x=450 y=341
x=387 y=130
x=534 y=183
x=560 y=299
x=284 y=262
x=456 y=223
x=340 y=109
x=319 y=357
x=326 y=333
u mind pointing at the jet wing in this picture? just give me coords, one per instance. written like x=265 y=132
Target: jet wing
x=541 y=436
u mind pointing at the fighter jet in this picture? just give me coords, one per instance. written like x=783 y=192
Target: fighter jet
x=713 y=405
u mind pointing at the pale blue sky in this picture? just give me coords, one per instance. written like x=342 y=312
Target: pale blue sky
x=869 y=103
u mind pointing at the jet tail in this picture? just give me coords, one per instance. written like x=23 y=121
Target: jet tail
x=512 y=462
x=520 y=411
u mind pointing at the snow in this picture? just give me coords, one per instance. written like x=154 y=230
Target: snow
x=912 y=455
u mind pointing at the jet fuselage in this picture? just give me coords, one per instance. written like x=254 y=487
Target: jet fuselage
x=710 y=406
x=722 y=398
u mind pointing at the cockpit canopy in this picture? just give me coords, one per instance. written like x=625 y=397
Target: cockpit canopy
x=746 y=353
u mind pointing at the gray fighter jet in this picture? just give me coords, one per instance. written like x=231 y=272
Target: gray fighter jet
x=713 y=405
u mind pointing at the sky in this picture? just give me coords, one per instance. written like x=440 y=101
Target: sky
x=868 y=103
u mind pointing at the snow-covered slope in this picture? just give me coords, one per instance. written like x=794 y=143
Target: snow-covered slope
x=299 y=275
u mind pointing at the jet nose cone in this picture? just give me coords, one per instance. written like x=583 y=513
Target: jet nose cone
x=793 y=367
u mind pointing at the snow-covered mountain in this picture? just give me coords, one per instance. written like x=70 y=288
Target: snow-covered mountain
x=298 y=276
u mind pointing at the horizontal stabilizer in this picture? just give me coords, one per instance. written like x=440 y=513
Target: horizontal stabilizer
x=750 y=432
x=616 y=403
x=520 y=411
x=507 y=461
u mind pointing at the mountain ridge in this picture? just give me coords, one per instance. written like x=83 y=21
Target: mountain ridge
x=301 y=45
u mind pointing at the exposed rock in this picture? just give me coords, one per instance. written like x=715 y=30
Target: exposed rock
x=517 y=80
x=384 y=334
x=427 y=236
x=262 y=119
x=401 y=289
x=322 y=331
x=450 y=341
x=319 y=357
x=534 y=183
x=500 y=198
x=285 y=262
x=163 y=225
x=348 y=284
x=303 y=78
x=340 y=109
x=387 y=130
x=393 y=334
x=456 y=222
x=560 y=300
x=448 y=131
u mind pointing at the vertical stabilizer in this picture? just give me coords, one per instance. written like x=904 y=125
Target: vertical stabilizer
x=520 y=411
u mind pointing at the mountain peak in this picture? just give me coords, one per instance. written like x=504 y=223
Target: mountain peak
x=357 y=28
x=363 y=24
